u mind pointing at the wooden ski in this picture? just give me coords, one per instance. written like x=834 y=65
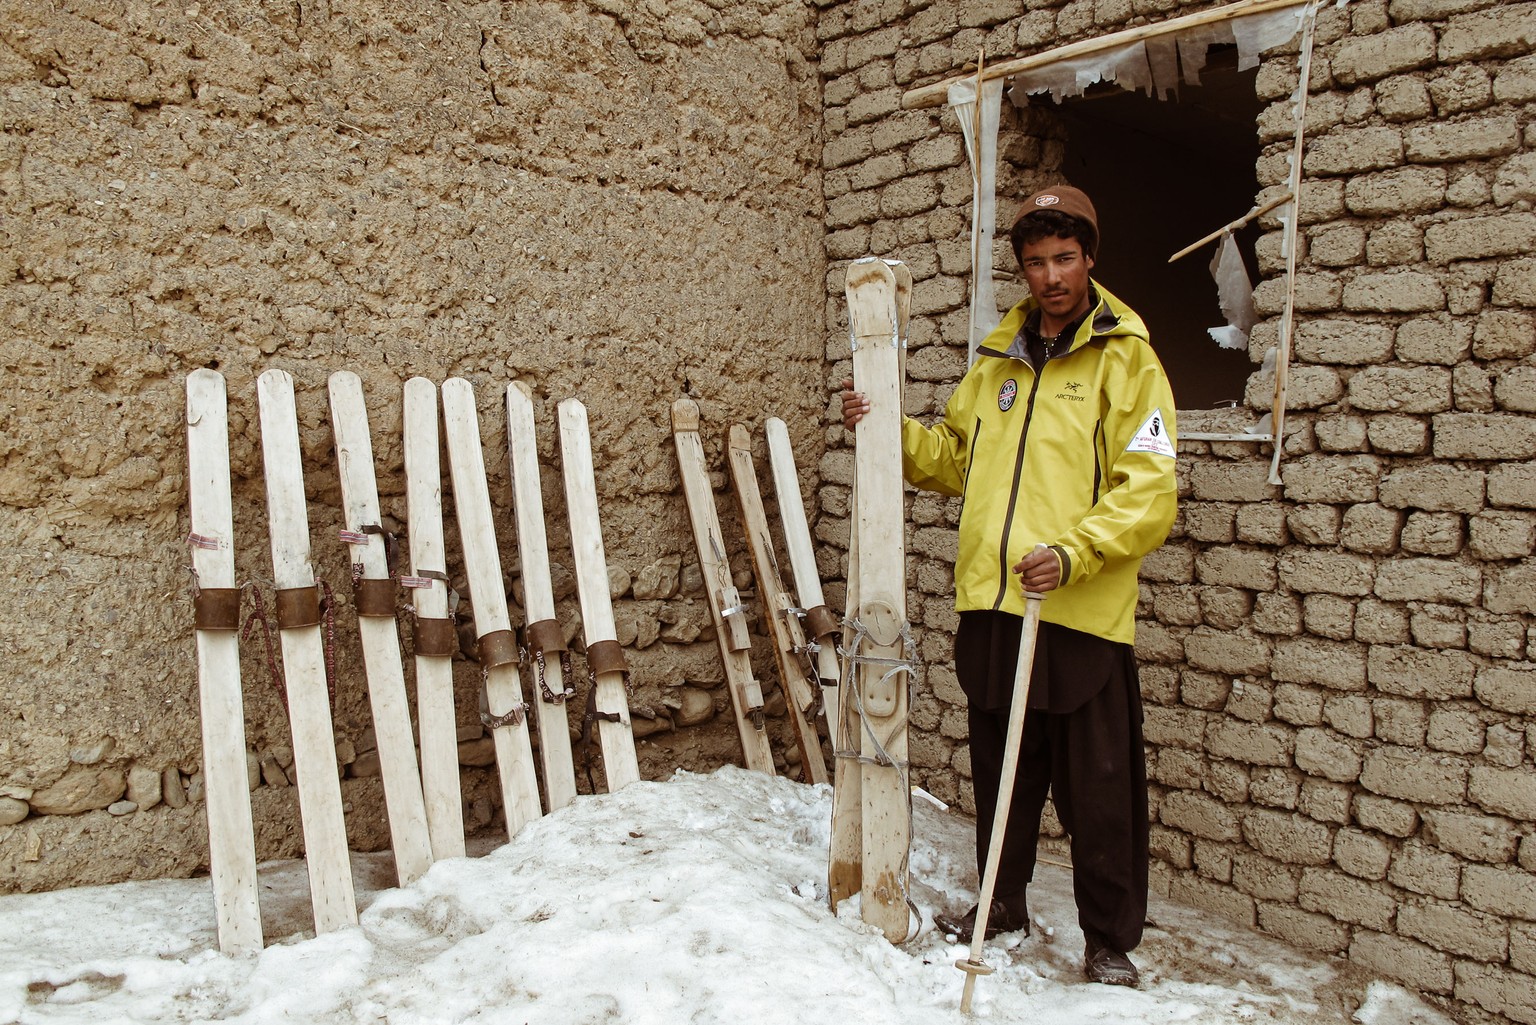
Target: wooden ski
x=796 y=670
x=605 y=658
x=903 y=276
x=821 y=623
x=881 y=648
x=304 y=671
x=845 y=861
x=374 y=592
x=435 y=637
x=216 y=605
x=545 y=638
x=725 y=605
x=506 y=713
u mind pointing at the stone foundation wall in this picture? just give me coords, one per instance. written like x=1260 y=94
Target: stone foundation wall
x=606 y=202
x=1339 y=673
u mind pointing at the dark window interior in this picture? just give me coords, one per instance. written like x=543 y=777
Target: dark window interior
x=1163 y=173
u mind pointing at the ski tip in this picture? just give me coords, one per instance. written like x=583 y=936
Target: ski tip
x=863 y=273
x=458 y=386
x=775 y=425
x=420 y=388
x=344 y=378
x=204 y=387
x=685 y=415
x=275 y=378
x=572 y=409
x=740 y=437
x=519 y=390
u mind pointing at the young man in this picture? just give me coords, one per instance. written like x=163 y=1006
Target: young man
x=1060 y=441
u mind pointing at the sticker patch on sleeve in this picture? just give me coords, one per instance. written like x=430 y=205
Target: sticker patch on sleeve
x=1152 y=437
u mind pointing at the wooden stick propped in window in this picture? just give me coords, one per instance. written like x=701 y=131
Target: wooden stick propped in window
x=1254 y=214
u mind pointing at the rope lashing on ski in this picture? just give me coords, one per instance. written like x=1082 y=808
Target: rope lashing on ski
x=851 y=660
x=849 y=686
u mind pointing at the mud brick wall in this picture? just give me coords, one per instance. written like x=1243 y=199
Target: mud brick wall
x=1339 y=673
x=605 y=200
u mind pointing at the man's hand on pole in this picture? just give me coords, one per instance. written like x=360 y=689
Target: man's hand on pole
x=855 y=405
x=1038 y=571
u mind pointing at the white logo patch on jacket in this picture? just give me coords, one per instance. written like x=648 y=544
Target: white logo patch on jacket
x=1152 y=436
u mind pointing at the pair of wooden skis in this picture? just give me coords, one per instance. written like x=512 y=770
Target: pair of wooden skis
x=872 y=801
x=807 y=663
x=424 y=808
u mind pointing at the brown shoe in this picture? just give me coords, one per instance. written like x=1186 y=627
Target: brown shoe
x=1108 y=966
x=999 y=921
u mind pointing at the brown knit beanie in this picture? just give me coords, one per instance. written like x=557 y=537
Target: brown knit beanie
x=1067 y=200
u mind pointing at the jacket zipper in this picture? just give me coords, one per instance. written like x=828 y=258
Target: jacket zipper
x=965 y=485
x=1098 y=465
x=1013 y=495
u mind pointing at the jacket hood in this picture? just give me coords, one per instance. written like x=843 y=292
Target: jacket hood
x=1108 y=316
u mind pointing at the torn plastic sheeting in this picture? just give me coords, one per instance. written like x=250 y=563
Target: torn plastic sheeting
x=1234 y=290
x=1125 y=65
x=1157 y=64
x=962 y=98
x=1194 y=43
x=1256 y=33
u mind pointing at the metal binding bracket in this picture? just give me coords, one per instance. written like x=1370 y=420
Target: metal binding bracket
x=546 y=638
x=806 y=649
x=852 y=694
x=733 y=611
x=607 y=657
x=498 y=648
x=433 y=637
x=216 y=608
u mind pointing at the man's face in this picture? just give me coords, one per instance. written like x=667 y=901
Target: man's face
x=1056 y=270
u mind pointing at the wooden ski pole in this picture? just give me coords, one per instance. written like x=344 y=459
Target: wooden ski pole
x=973 y=966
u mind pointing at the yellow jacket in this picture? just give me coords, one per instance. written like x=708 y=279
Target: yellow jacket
x=1080 y=458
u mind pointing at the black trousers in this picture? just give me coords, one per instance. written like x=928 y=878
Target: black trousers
x=1089 y=759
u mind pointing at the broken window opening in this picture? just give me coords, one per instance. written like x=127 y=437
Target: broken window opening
x=1161 y=173
x=1157 y=58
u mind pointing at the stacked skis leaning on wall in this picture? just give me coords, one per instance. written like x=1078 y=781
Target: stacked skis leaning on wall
x=423 y=799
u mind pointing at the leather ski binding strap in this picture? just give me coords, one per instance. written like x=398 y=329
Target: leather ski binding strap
x=498 y=648
x=513 y=716
x=391 y=545
x=435 y=637
x=374 y=596
x=217 y=608
x=546 y=638
x=298 y=607
x=822 y=622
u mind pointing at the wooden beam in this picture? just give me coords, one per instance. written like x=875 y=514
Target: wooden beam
x=937 y=93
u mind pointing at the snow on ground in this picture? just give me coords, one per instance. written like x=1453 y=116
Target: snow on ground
x=701 y=899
